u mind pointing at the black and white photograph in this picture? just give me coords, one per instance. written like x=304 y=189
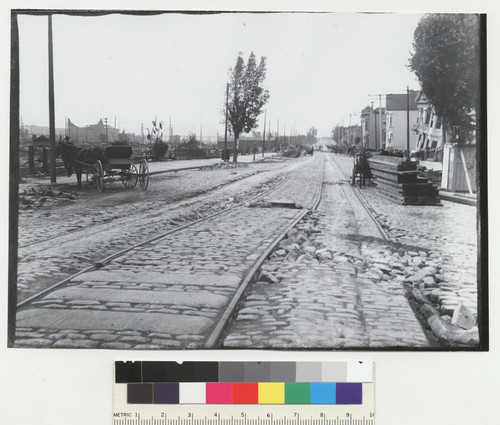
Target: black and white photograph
x=242 y=180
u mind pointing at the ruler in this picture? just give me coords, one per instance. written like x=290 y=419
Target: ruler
x=150 y=414
x=243 y=393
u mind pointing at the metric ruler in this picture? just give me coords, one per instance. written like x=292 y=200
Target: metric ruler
x=251 y=393
x=363 y=414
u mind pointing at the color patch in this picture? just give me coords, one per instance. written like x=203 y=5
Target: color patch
x=360 y=371
x=126 y=372
x=192 y=393
x=334 y=372
x=232 y=372
x=257 y=372
x=205 y=372
x=297 y=393
x=180 y=372
x=166 y=393
x=282 y=372
x=349 y=393
x=271 y=393
x=219 y=393
x=139 y=393
x=323 y=393
x=245 y=393
x=308 y=372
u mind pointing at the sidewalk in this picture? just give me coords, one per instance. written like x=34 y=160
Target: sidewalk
x=156 y=167
x=461 y=198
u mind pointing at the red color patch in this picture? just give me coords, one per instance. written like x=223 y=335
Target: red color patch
x=246 y=393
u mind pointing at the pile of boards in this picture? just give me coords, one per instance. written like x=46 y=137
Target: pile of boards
x=398 y=180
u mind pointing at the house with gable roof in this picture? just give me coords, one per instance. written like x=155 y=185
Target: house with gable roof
x=396 y=120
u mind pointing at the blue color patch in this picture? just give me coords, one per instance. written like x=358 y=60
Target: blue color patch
x=323 y=393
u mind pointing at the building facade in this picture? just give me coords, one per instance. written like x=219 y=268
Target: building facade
x=397 y=107
x=94 y=134
x=428 y=127
x=371 y=121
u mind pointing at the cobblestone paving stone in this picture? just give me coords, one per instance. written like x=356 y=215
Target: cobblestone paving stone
x=171 y=293
x=107 y=229
x=331 y=296
x=35 y=225
x=449 y=233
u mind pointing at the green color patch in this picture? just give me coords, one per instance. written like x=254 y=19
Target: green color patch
x=297 y=393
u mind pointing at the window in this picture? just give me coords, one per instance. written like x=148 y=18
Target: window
x=427 y=116
x=438 y=122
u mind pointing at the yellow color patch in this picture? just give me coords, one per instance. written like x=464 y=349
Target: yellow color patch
x=271 y=393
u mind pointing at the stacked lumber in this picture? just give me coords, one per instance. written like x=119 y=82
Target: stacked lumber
x=399 y=181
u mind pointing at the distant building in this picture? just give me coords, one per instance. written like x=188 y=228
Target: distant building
x=396 y=120
x=94 y=134
x=370 y=128
x=247 y=144
x=428 y=128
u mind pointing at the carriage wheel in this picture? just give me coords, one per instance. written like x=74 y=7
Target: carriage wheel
x=99 y=176
x=92 y=177
x=129 y=177
x=143 y=174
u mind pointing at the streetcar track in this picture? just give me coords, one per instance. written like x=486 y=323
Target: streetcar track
x=101 y=263
x=362 y=201
x=226 y=316
x=194 y=195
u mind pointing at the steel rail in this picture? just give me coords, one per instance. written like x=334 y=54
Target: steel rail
x=101 y=263
x=219 y=186
x=214 y=337
x=362 y=201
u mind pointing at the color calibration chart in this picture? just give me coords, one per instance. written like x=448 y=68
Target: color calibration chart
x=243 y=393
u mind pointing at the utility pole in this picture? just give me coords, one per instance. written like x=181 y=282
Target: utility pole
x=408 y=121
x=106 y=124
x=201 y=130
x=225 y=127
x=52 y=119
x=350 y=131
x=277 y=134
x=264 y=134
x=379 y=117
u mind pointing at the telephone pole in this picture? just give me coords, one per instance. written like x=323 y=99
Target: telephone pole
x=52 y=119
x=106 y=124
x=408 y=121
x=264 y=134
x=380 y=114
x=225 y=127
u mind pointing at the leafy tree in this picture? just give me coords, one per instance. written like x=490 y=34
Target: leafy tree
x=246 y=96
x=446 y=62
x=311 y=136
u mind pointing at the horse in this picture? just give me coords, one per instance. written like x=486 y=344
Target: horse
x=361 y=168
x=75 y=158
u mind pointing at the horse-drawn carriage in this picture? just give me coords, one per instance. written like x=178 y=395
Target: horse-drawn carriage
x=103 y=167
x=117 y=163
x=361 y=169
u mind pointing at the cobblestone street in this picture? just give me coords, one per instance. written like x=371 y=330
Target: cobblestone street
x=339 y=278
x=323 y=298
x=104 y=224
x=172 y=293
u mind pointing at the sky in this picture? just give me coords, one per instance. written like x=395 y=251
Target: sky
x=321 y=67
